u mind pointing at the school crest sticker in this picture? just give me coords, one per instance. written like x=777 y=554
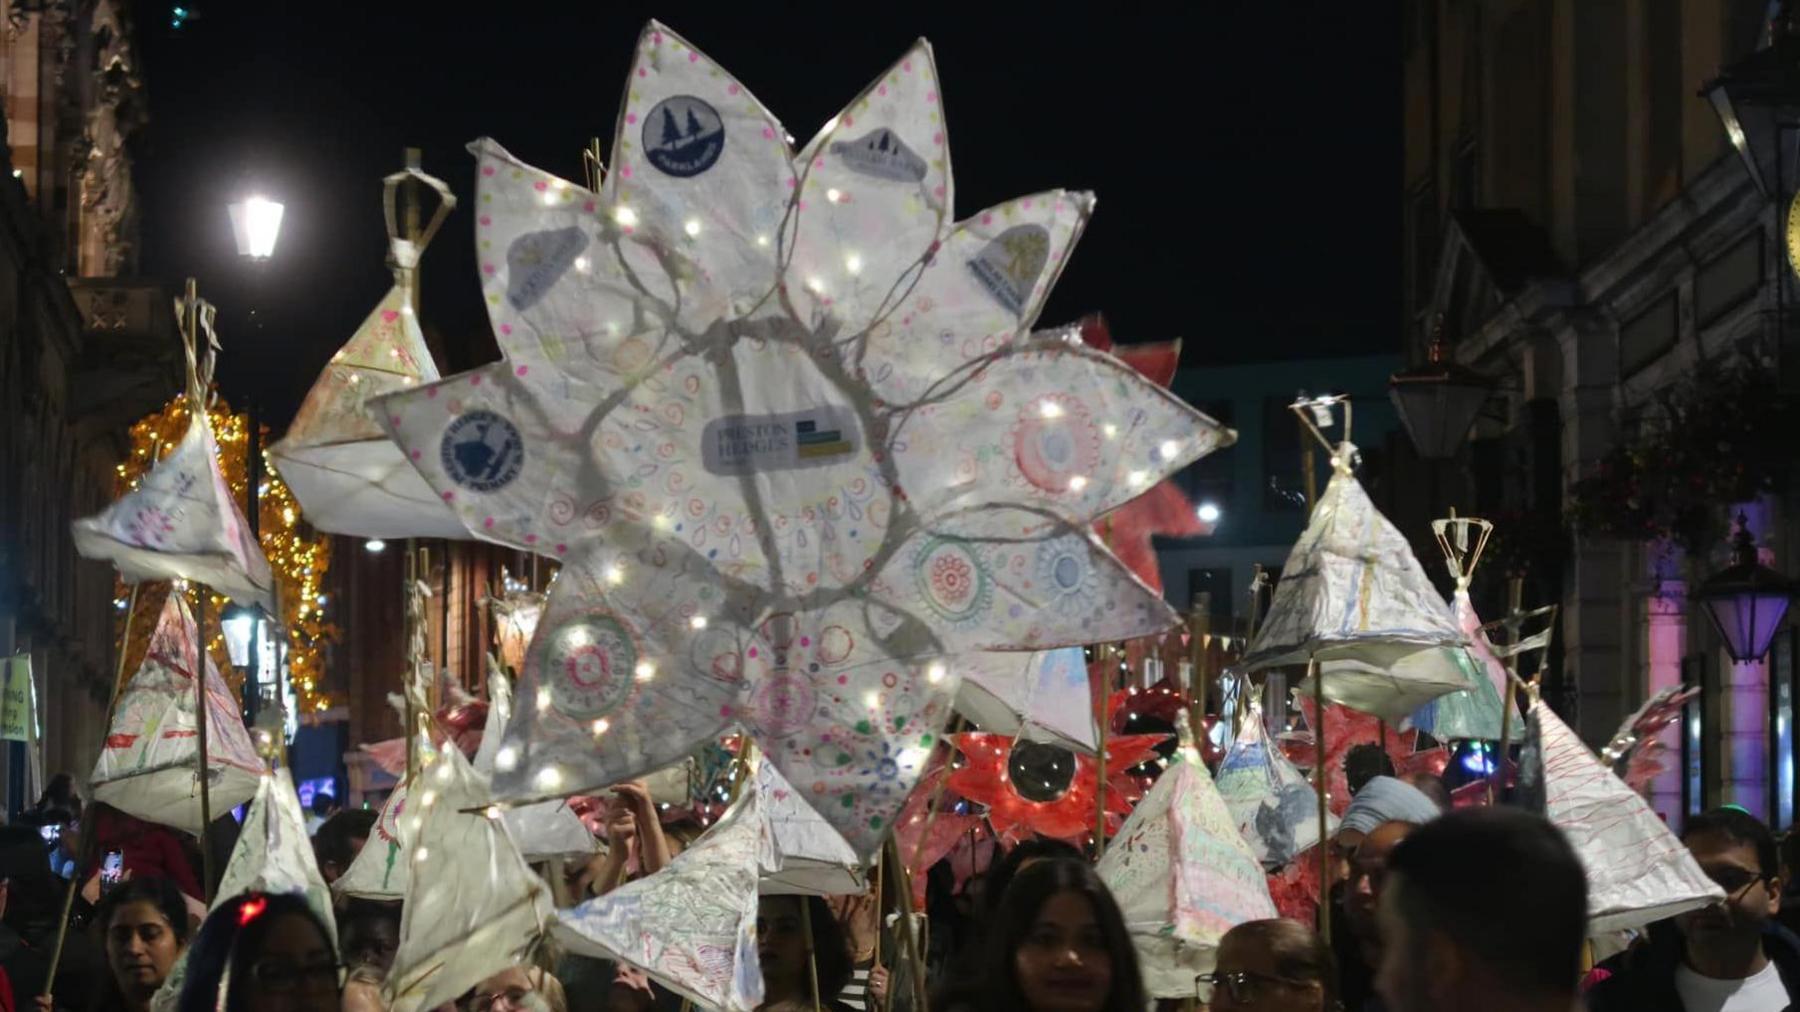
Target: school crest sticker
x=683 y=136
x=482 y=452
x=1009 y=266
x=536 y=260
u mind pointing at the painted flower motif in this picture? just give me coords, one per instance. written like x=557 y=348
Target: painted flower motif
x=792 y=385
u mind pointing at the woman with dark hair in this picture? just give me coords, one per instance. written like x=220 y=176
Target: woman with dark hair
x=781 y=947
x=143 y=924
x=262 y=952
x=966 y=978
x=1058 y=943
x=1277 y=965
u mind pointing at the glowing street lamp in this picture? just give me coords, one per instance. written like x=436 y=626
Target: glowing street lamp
x=256 y=223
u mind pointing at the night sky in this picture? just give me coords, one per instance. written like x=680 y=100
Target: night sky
x=1245 y=155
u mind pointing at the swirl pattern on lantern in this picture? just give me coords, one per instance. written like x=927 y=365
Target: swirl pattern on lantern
x=755 y=384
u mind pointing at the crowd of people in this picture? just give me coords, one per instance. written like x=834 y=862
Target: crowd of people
x=1472 y=909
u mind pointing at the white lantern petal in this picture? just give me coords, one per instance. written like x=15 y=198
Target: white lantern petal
x=875 y=197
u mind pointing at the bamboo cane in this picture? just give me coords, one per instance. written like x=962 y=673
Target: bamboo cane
x=909 y=943
x=1101 y=699
x=812 y=955
x=1312 y=669
x=206 y=856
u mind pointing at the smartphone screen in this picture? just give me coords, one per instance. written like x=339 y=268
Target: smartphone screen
x=112 y=870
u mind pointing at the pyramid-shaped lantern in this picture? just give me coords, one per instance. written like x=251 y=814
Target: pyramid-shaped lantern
x=1271 y=803
x=349 y=478
x=181 y=522
x=1007 y=691
x=379 y=870
x=802 y=854
x=1637 y=870
x=147 y=767
x=692 y=925
x=1183 y=877
x=1353 y=598
x=473 y=906
x=1473 y=712
x=273 y=855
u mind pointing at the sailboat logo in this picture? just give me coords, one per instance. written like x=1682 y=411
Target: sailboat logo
x=683 y=136
x=482 y=451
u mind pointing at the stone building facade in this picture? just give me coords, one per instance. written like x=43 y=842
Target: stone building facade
x=1581 y=225
x=85 y=347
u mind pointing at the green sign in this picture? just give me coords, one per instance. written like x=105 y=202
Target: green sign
x=16 y=716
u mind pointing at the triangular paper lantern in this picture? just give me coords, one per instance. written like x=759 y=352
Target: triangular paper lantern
x=1354 y=597
x=1274 y=807
x=545 y=830
x=182 y=523
x=473 y=906
x=147 y=766
x=1183 y=877
x=1637 y=870
x=1473 y=712
x=1005 y=692
x=379 y=870
x=349 y=478
x=690 y=926
x=802 y=854
x=273 y=855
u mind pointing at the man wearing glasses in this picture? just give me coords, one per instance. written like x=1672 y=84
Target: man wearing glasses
x=1729 y=957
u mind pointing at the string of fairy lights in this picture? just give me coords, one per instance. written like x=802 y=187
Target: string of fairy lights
x=298 y=558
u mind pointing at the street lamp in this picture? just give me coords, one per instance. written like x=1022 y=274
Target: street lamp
x=1746 y=600
x=1439 y=400
x=244 y=629
x=256 y=222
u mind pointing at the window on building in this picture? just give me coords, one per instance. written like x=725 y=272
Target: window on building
x=1422 y=242
x=1465 y=176
x=1215 y=582
x=1210 y=478
x=1283 y=489
x=1647 y=336
x=1724 y=282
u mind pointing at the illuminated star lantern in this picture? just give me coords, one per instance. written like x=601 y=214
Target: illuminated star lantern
x=781 y=418
x=1183 y=877
x=1354 y=598
x=1031 y=787
x=1638 y=872
x=147 y=765
x=1163 y=508
x=348 y=477
x=181 y=522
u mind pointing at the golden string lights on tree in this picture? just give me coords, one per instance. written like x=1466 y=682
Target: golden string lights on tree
x=297 y=558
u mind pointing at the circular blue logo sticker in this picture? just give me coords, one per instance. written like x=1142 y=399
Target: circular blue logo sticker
x=482 y=451
x=683 y=136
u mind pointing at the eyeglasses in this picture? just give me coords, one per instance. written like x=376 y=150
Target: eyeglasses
x=1735 y=881
x=280 y=976
x=514 y=997
x=1243 y=986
